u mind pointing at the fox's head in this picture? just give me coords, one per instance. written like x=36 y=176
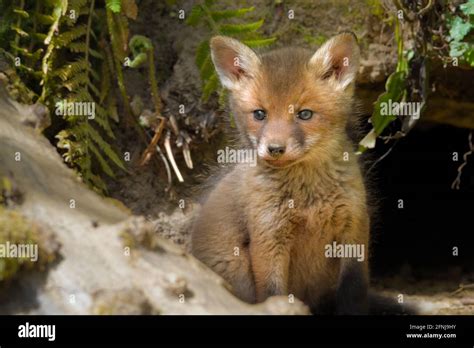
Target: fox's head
x=290 y=104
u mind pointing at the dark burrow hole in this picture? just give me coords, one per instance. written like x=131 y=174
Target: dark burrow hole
x=418 y=240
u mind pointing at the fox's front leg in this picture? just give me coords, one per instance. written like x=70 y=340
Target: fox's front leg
x=351 y=295
x=352 y=288
x=270 y=265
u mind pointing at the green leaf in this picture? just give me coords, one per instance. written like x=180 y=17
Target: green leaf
x=459 y=29
x=468 y=8
x=457 y=49
x=207 y=69
x=21 y=13
x=219 y=15
x=232 y=29
x=95 y=54
x=395 y=88
x=196 y=15
x=114 y=5
x=469 y=56
x=209 y=87
x=39 y=36
x=202 y=52
x=254 y=43
x=44 y=19
x=19 y=31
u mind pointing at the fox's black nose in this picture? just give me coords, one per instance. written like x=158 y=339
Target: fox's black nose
x=276 y=150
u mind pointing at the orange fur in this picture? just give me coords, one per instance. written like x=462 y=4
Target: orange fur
x=264 y=229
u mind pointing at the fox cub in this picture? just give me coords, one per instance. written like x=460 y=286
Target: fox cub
x=289 y=224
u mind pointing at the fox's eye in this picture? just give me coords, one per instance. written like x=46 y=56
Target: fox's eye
x=305 y=114
x=259 y=115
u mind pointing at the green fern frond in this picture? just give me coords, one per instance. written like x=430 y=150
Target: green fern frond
x=105 y=147
x=94 y=74
x=76 y=81
x=116 y=57
x=74 y=68
x=114 y=5
x=220 y=15
x=112 y=107
x=195 y=16
x=93 y=88
x=78 y=47
x=103 y=163
x=202 y=52
x=81 y=95
x=140 y=46
x=67 y=37
x=44 y=18
x=233 y=29
x=121 y=32
x=105 y=83
x=18 y=49
x=102 y=119
x=40 y=37
x=60 y=46
x=19 y=31
x=216 y=22
x=95 y=54
x=210 y=86
x=256 y=43
x=207 y=69
x=95 y=180
x=76 y=5
x=22 y=13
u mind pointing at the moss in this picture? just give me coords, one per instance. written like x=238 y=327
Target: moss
x=118 y=204
x=9 y=193
x=122 y=302
x=376 y=8
x=139 y=232
x=15 y=229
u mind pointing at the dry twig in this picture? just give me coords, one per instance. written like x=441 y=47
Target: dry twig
x=457 y=182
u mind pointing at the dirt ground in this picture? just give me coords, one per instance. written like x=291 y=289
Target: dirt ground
x=143 y=190
x=443 y=296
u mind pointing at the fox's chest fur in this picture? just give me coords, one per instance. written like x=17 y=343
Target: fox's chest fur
x=302 y=210
x=293 y=202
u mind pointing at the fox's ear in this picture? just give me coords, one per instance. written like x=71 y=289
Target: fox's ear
x=233 y=60
x=337 y=59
